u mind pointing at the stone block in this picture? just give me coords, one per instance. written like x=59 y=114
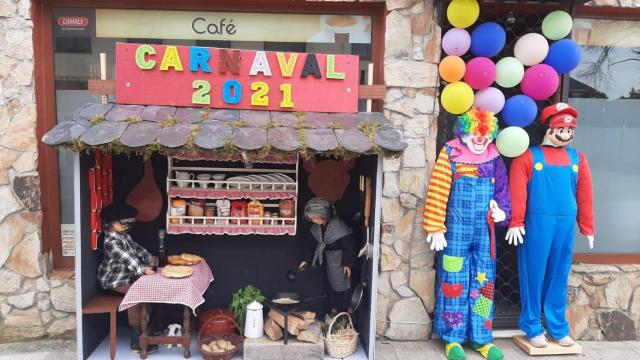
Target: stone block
x=63 y=327
x=432 y=44
x=400 y=4
x=422 y=281
x=407 y=73
x=28 y=161
x=390 y=164
x=391 y=210
x=19 y=44
x=408 y=201
x=404 y=230
x=413 y=181
x=417 y=126
x=9 y=281
x=22 y=301
x=389 y=260
x=414 y=155
x=392 y=95
x=420 y=23
x=27 y=189
x=63 y=298
x=408 y=320
x=617 y=326
x=42 y=285
x=618 y=293
x=24 y=258
x=417 y=51
x=425 y=104
x=23 y=73
x=390 y=185
x=12 y=230
x=7 y=9
x=265 y=349
x=578 y=318
x=635 y=302
x=397 y=36
x=382 y=310
x=398 y=279
x=403 y=106
x=9 y=202
x=22 y=134
x=22 y=325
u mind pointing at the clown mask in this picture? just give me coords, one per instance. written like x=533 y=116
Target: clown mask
x=477 y=144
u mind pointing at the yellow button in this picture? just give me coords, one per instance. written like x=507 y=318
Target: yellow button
x=575 y=168
x=493 y=180
x=538 y=166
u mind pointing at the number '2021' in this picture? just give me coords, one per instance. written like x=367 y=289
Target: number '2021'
x=232 y=93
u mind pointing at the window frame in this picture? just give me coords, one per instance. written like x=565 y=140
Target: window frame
x=41 y=13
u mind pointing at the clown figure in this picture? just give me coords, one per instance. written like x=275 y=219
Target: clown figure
x=550 y=187
x=467 y=193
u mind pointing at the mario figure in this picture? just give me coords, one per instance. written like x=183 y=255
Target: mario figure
x=550 y=188
x=467 y=193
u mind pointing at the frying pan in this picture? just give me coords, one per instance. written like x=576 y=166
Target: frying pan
x=290 y=295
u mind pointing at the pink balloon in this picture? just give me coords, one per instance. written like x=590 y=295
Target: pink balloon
x=481 y=72
x=540 y=82
x=456 y=42
x=490 y=99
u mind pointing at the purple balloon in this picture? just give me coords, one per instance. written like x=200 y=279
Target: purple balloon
x=490 y=99
x=540 y=82
x=456 y=42
x=480 y=73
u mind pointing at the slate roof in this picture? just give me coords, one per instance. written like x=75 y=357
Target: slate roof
x=138 y=126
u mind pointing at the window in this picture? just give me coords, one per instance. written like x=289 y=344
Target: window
x=605 y=89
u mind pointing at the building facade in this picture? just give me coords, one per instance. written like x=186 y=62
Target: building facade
x=37 y=291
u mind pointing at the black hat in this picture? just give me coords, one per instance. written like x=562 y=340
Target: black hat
x=118 y=211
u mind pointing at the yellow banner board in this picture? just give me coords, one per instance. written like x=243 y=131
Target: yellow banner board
x=231 y=26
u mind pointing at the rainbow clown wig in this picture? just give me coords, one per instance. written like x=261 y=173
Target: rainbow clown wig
x=477 y=122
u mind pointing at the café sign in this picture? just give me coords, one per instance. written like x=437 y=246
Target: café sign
x=238 y=79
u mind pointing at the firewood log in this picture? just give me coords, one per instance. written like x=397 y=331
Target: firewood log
x=312 y=334
x=294 y=324
x=272 y=329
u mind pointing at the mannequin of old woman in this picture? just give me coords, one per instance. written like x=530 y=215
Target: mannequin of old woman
x=330 y=243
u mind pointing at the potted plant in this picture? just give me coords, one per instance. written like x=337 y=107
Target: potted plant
x=241 y=299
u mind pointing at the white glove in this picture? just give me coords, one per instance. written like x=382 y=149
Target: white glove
x=497 y=214
x=437 y=240
x=591 y=239
x=514 y=235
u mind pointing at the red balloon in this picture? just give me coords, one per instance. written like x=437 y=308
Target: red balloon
x=540 y=82
x=481 y=73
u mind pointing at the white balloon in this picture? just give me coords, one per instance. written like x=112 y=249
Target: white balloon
x=531 y=49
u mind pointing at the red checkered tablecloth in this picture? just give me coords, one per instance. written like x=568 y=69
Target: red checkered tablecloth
x=159 y=289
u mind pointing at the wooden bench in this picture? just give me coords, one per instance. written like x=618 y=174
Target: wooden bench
x=106 y=304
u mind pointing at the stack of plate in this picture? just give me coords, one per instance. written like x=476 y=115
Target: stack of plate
x=244 y=181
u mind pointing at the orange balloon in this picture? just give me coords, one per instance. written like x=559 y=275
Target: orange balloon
x=452 y=69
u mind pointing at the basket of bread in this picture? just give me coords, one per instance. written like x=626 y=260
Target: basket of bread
x=184 y=259
x=219 y=346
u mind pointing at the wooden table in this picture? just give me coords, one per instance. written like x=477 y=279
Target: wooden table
x=184 y=340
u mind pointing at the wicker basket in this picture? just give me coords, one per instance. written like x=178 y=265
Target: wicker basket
x=343 y=342
x=235 y=339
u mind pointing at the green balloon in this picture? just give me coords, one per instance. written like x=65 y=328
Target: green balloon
x=512 y=141
x=557 y=25
x=509 y=72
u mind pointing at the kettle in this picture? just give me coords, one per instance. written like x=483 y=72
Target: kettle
x=254 y=323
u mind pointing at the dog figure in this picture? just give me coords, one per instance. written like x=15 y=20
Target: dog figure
x=173 y=330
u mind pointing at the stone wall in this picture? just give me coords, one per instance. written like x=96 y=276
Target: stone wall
x=407 y=277
x=604 y=302
x=32 y=305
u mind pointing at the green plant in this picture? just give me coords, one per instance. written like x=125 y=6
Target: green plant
x=241 y=299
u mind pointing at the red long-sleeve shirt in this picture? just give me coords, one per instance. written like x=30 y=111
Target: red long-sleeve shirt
x=519 y=177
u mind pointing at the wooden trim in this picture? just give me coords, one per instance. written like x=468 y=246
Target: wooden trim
x=607 y=12
x=611 y=259
x=46 y=119
x=108 y=87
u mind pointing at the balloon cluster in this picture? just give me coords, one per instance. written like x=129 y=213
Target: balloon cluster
x=535 y=66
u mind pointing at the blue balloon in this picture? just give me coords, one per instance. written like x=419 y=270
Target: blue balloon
x=564 y=56
x=519 y=110
x=488 y=39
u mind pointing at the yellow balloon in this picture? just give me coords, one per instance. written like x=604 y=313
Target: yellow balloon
x=457 y=97
x=463 y=13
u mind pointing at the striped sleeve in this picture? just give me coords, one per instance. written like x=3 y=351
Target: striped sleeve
x=435 y=207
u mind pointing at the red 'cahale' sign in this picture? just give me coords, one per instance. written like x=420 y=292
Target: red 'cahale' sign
x=236 y=79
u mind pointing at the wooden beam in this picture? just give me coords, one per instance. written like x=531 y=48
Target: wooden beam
x=108 y=87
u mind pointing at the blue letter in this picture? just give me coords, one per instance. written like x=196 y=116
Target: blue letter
x=199 y=57
x=237 y=92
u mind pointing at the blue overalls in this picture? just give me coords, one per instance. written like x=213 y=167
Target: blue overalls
x=466 y=272
x=544 y=260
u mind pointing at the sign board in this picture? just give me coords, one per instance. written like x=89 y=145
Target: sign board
x=235 y=79
x=68 y=236
x=231 y=26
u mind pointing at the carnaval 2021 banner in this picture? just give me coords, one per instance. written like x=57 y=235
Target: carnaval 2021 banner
x=237 y=79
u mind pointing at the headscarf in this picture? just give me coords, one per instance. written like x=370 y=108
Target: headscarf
x=335 y=227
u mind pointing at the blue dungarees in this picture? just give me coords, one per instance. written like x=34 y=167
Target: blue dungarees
x=466 y=273
x=544 y=260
